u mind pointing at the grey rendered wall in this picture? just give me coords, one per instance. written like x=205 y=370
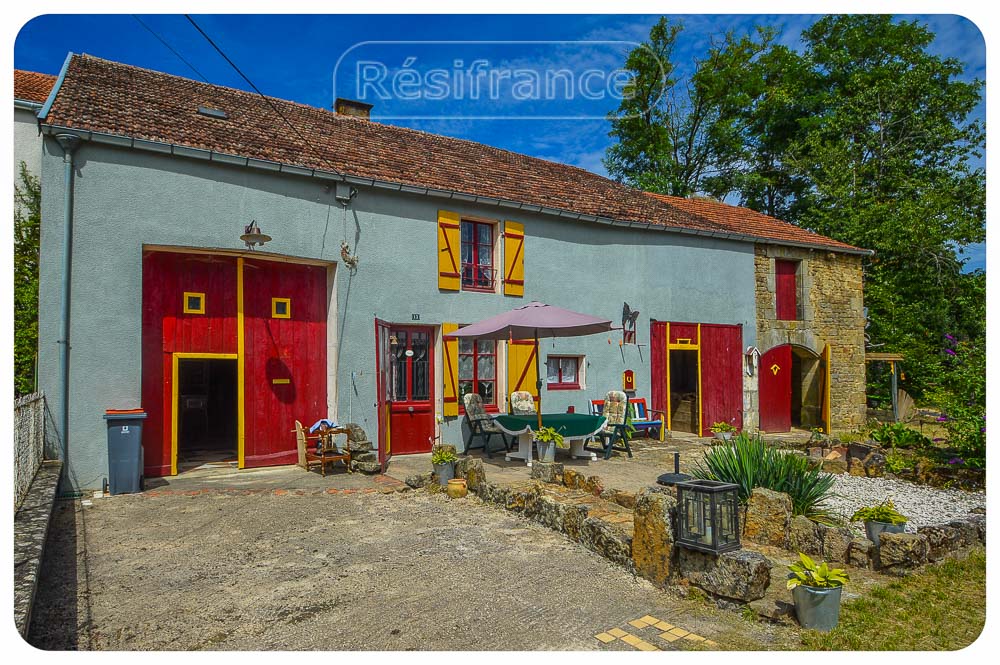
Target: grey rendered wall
x=27 y=142
x=126 y=198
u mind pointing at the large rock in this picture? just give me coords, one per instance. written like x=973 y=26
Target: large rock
x=356 y=434
x=471 y=468
x=803 y=536
x=419 y=480
x=592 y=484
x=611 y=541
x=768 y=518
x=653 y=536
x=366 y=467
x=941 y=539
x=836 y=542
x=547 y=472
x=898 y=551
x=571 y=478
x=621 y=497
x=742 y=575
x=861 y=553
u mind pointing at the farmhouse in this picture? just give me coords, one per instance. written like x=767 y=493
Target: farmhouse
x=380 y=240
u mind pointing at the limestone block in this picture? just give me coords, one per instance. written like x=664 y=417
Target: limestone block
x=592 y=484
x=836 y=542
x=547 y=472
x=653 y=536
x=419 y=480
x=741 y=575
x=803 y=536
x=768 y=518
x=472 y=469
x=861 y=553
x=571 y=478
x=902 y=550
x=611 y=541
x=941 y=539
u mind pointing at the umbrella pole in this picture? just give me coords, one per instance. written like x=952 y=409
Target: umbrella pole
x=538 y=381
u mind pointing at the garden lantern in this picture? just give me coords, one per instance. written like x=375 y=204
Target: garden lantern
x=708 y=516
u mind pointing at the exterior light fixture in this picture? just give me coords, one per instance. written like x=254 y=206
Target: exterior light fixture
x=708 y=516
x=253 y=236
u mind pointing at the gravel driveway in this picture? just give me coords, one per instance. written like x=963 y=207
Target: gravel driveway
x=386 y=572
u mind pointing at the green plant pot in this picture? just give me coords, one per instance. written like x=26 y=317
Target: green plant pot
x=874 y=529
x=444 y=472
x=817 y=607
x=546 y=451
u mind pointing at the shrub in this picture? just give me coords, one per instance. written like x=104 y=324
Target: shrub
x=722 y=426
x=749 y=462
x=808 y=573
x=963 y=399
x=443 y=456
x=898 y=435
x=883 y=512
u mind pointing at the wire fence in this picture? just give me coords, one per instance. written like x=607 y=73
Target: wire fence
x=29 y=442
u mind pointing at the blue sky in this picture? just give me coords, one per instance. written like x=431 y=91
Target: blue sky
x=294 y=57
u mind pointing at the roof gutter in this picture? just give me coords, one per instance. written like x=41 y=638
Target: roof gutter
x=27 y=105
x=280 y=167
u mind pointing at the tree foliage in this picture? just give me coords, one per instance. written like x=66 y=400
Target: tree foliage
x=27 y=224
x=864 y=135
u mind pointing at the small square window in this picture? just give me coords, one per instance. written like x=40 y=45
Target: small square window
x=281 y=308
x=194 y=303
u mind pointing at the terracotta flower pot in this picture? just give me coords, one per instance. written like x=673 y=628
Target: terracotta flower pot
x=457 y=488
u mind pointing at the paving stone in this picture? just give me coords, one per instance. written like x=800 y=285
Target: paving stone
x=617 y=632
x=605 y=637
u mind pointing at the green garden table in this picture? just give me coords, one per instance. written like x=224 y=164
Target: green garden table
x=576 y=429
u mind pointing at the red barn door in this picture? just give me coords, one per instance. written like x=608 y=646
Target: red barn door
x=284 y=310
x=721 y=375
x=775 y=386
x=171 y=284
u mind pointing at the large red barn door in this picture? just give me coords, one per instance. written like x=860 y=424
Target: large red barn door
x=775 y=388
x=285 y=310
x=658 y=390
x=171 y=283
x=721 y=375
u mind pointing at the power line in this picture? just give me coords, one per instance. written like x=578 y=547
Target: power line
x=263 y=96
x=171 y=49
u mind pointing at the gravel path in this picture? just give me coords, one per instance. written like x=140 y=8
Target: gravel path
x=923 y=505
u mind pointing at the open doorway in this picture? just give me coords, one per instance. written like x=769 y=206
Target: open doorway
x=206 y=412
x=684 y=391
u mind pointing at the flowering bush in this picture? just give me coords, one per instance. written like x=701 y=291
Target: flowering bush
x=962 y=397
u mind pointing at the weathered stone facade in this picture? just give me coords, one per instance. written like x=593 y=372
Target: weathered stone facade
x=830 y=311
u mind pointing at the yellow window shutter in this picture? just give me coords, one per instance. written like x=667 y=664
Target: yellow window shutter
x=513 y=258
x=521 y=374
x=450 y=346
x=449 y=251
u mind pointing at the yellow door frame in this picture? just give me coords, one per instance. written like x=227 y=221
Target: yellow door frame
x=176 y=357
x=683 y=345
x=240 y=369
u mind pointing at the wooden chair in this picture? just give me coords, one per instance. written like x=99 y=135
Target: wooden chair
x=308 y=457
x=614 y=408
x=481 y=425
x=641 y=416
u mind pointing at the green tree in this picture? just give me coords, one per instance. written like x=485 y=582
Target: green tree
x=27 y=223
x=886 y=147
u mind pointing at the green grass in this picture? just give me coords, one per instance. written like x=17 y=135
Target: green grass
x=941 y=608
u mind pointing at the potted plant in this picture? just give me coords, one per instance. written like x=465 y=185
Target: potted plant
x=722 y=430
x=443 y=460
x=816 y=592
x=547 y=439
x=880 y=518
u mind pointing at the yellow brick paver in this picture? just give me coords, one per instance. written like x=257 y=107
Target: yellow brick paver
x=669 y=637
x=617 y=632
x=694 y=638
x=643 y=645
x=679 y=632
x=651 y=620
x=605 y=637
x=638 y=623
x=631 y=639
x=663 y=625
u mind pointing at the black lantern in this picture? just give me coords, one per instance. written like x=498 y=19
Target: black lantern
x=708 y=516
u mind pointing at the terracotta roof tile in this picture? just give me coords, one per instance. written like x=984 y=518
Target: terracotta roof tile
x=751 y=222
x=113 y=98
x=32 y=86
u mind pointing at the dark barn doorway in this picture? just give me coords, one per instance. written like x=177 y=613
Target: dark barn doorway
x=207 y=413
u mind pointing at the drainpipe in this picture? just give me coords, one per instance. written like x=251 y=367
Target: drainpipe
x=69 y=144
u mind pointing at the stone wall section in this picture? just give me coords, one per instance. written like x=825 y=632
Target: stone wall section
x=830 y=311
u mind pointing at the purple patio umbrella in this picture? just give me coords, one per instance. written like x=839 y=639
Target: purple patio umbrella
x=533 y=321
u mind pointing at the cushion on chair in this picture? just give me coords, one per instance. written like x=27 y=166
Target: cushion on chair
x=522 y=403
x=614 y=407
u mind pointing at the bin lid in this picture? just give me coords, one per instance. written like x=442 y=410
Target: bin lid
x=124 y=414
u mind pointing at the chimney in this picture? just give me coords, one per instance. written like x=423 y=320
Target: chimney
x=352 y=107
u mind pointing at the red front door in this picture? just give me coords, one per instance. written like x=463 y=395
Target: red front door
x=775 y=387
x=411 y=381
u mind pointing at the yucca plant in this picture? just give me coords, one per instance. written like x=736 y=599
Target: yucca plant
x=747 y=461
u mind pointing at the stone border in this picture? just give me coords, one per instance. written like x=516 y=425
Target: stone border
x=388 y=485
x=31 y=526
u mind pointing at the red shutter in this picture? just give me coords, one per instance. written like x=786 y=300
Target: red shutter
x=785 y=290
x=721 y=375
